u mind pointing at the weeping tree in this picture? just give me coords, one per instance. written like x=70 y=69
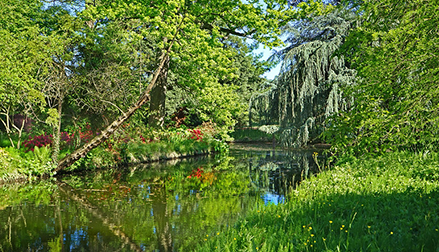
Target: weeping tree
x=307 y=90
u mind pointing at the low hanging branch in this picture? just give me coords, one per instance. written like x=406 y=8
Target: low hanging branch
x=105 y=134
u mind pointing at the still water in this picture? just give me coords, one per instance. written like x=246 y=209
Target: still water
x=168 y=206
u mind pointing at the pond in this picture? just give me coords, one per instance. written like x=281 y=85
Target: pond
x=166 y=206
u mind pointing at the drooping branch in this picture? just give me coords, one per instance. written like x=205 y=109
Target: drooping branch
x=308 y=88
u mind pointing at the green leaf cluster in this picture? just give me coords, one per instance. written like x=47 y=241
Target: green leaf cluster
x=397 y=97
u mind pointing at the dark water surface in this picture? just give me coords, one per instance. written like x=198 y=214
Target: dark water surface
x=168 y=206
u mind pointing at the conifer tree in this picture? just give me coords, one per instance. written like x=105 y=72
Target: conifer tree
x=307 y=91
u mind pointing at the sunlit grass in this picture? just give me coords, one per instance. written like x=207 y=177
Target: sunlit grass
x=388 y=203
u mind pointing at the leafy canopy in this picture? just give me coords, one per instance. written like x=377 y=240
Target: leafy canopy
x=396 y=99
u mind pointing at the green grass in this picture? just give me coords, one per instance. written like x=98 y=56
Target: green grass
x=387 y=203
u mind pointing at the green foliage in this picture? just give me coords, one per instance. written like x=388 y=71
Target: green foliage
x=365 y=204
x=42 y=154
x=202 y=55
x=52 y=117
x=221 y=105
x=172 y=144
x=132 y=144
x=307 y=90
x=250 y=134
x=96 y=158
x=21 y=51
x=8 y=166
x=249 y=71
x=24 y=55
x=16 y=164
x=396 y=98
x=38 y=162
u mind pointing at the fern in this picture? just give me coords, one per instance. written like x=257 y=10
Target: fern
x=42 y=154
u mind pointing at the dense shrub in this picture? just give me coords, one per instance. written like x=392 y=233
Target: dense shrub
x=37 y=141
x=46 y=139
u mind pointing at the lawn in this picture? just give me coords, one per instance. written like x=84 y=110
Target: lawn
x=385 y=203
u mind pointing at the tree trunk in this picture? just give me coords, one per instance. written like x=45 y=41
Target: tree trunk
x=57 y=134
x=105 y=134
x=8 y=125
x=157 y=104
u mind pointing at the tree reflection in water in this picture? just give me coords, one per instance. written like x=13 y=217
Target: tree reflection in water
x=157 y=207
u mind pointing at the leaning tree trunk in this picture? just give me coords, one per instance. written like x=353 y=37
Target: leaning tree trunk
x=157 y=107
x=105 y=134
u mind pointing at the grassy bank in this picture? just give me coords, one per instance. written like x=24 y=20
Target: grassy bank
x=387 y=203
x=127 y=145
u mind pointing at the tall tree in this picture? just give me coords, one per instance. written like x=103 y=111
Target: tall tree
x=188 y=35
x=397 y=98
x=61 y=27
x=227 y=105
x=25 y=57
x=306 y=92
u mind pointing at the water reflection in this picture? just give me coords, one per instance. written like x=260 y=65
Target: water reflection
x=158 y=207
x=274 y=173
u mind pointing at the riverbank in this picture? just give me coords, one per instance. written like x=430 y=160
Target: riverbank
x=29 y=164
x=386 y=203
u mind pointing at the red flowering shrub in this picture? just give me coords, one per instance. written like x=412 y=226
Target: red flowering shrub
x=38 y=141
x=196 y=134
x=46 y=139
x=143 y=139
x=86 y=134
x=66 y=138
